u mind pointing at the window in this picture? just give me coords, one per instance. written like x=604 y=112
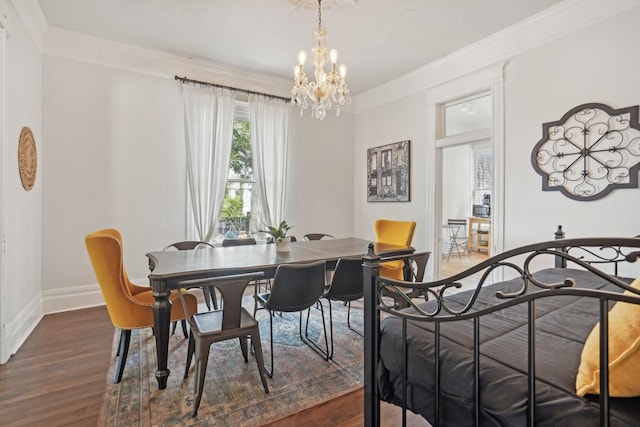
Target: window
x=468 y=114
x=482 y=173
x=235 y=212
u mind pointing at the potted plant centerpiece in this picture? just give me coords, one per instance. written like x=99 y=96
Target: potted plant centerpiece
x=279 y=236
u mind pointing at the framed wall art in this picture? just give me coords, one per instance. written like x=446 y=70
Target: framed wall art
x=388 y=173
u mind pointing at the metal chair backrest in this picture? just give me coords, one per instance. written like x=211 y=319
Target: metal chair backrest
x=458 y=222
x=316 y=236
x=418 y=262
x=188 y=245
x=238 y=242
x=347 y=283
x=296 y=287
x=232 y=290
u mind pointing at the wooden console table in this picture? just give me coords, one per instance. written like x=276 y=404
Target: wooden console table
x=480 y=234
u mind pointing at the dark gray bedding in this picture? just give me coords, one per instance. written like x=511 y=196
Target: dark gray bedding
x=562 y=325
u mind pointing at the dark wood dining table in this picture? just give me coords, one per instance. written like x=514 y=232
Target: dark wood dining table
x=171 y=267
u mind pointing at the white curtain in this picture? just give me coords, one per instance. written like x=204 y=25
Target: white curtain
x=208 y=127
x=269 y=122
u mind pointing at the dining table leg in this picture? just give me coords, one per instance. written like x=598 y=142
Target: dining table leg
x=161 y=320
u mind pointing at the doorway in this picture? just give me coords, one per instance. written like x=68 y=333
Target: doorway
x=466 y=206
x=489 y=81
x=4 y=351
x=465 y=181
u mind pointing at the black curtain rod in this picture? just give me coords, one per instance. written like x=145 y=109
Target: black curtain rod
x=249 y=92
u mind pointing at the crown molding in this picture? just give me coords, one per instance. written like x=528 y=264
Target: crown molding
x=557 y=21
x=31 y=15
x=5 y=16
x=78 y=46
x=82 y=47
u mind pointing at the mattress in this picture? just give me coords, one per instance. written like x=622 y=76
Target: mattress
x=563 y=324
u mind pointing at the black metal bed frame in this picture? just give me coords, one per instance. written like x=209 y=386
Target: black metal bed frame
x=587 y=253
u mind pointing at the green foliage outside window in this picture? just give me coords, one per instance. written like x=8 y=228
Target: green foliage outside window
x=241 y=154
x=231 y=207
x=231 y=214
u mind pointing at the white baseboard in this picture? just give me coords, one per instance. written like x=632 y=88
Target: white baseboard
x=77 y=297
x=72 y=298
x=49 y=302
x=19 y=328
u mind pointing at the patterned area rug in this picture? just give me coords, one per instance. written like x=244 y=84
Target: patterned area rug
x=233 y=393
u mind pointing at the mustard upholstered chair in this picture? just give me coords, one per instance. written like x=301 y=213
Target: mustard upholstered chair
x=394 y=233
x=129 y=305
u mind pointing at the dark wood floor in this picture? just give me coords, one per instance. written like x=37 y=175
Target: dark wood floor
x=57 y=378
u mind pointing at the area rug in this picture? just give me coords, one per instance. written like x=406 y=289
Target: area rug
x=233 y=393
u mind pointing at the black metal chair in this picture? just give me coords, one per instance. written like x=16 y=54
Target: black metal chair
x=233 y=321
x=242 y=242
x=238 y=242
x=295 y=288
x=347 y=285
x=317 y=236
x=209 y=293
x=414 y=270
x=458 y=238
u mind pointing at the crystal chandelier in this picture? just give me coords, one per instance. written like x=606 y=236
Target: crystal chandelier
x=328 y=88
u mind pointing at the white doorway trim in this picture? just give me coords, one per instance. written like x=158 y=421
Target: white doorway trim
x=4 y=347
x=491 y=80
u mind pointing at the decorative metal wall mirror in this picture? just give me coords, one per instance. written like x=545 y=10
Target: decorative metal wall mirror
x=592 y=150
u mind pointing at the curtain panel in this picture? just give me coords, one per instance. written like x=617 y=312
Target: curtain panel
x=208 y=126
x=269 y=122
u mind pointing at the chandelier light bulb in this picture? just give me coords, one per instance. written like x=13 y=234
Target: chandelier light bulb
x=343 y=71
x=302 y=57
x=333 y=56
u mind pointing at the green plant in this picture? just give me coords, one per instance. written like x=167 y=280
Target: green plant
x=278 y=233
x=231 y=207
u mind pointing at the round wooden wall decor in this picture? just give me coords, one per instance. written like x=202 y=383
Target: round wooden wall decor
x=27 y=158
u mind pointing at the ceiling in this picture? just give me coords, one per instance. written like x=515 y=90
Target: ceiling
x=378 y=40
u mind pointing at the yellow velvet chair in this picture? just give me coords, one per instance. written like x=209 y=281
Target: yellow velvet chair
x=129 y=305
x=394 y=233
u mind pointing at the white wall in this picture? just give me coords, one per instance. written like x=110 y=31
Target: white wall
x=22 y=107
x=457 y=182
x=595 y=64
x=398 y=121
x=116 y=159
x=320 y=191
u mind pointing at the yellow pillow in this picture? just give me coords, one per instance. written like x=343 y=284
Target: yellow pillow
x=624 y=353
